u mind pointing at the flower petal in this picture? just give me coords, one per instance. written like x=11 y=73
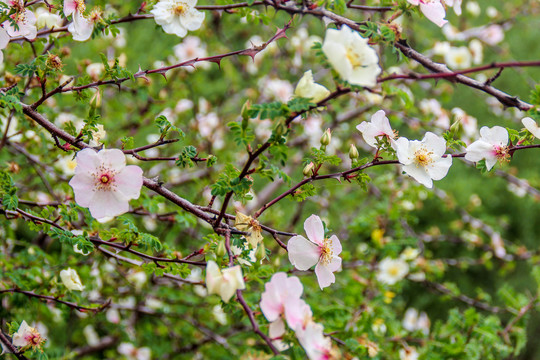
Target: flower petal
x=303 y=254
x=83 y=188
x=325 y=277
x=112 y=158
x=419 y=174
x=108 y=203
x=314 y=229
x=130 y=181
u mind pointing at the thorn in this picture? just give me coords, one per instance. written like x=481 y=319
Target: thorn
x=251 y=52
x=217 y=61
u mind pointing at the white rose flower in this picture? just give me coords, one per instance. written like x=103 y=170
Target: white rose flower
x=392 y=270
x=309 y=89
x=423 y=160
x=492 y=146
x=458 y=57
x=351 y=56
x=178 y=16
x=71 y=279
x=224 y=282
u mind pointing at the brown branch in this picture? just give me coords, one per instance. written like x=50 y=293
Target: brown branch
x=524 y=310
x=253 y=322
x=409 y=52
x=252 y=52
x=4 y=339
x=72 y=305
x=465 y=299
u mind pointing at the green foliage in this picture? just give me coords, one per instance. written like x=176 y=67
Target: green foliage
x=243 y=135
x=304 y=192
x=165 y=127
x=228 y=181
x=11 y=99
x=319 y=157
x=184 y=159
x=8 y=191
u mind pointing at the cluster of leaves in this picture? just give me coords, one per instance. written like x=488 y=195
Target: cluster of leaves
x=8 y=191
x=229 y=181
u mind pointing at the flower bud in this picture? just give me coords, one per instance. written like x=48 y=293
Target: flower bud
x=95 y=101
x=260 y=253
x=455 y=127
x=353 y=152
x=308 y=169
x=221 y=250
x=280 y=129
x=326 y=138
x=244 y=113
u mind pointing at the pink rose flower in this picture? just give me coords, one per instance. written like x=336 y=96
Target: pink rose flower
x=104 y=184
x=318 y=250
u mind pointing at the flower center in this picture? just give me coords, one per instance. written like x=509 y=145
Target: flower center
x=393 y=271
x=180 y=9
x=501 y=152
x=459 y=59
x=33 y=338
x=19 y=18
x=423 y=157
x=354 y=58
x=104 y=179
x=81 y=7
x=326 y=252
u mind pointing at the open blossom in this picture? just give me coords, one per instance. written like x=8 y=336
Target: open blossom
x=71 y=279
x=458 y=57
x=278 y=292
x=309 y=89
x=455 y=4
x=178 y=16
x=45 y=18
x=413 y=321
x=104 y=184
x=409 y=353
x=351 y=56
x=531 y=126
x=319 y=250
x=190 y=48
x=281 y=299
x=27 y=336
x=392 y=270
x=81 y=28
x=492 y=146
x=224 y=282
x=316 y=345
x=433 y=10
x=133 y=353
x=423 y=160
x=24 y=18
x=378 y=127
